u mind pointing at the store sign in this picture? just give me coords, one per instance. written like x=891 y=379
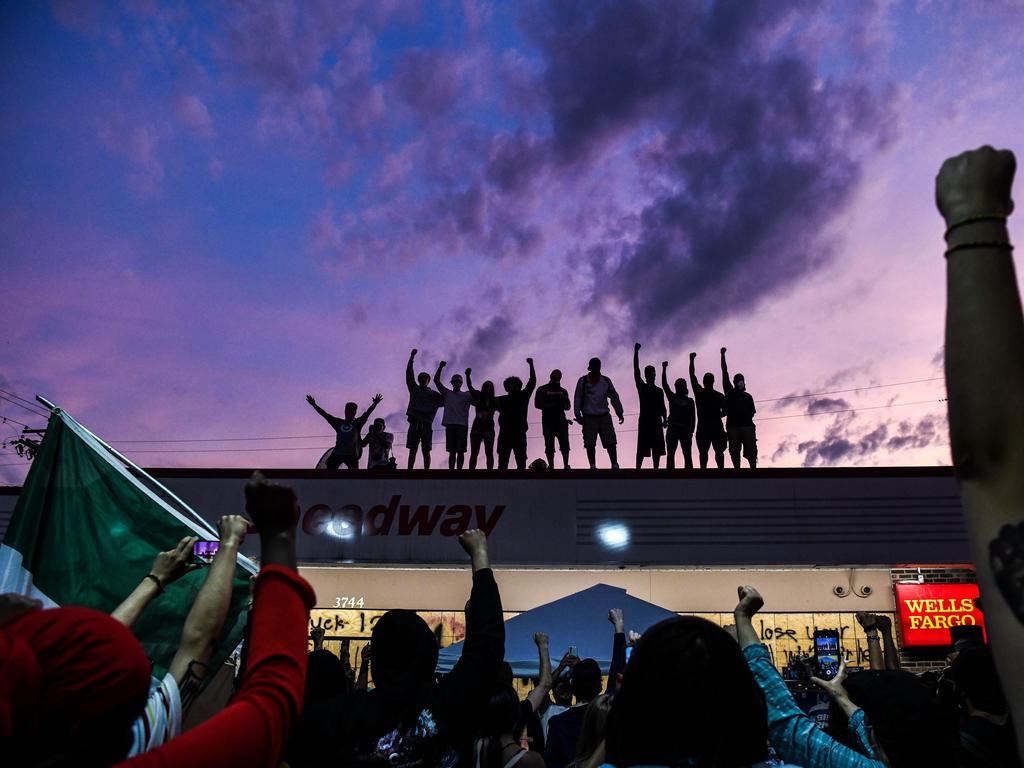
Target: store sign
x=928 y=611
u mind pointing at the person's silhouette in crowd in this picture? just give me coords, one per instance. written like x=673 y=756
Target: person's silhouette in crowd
x=650 y=439
x=423 y=405
x=552 y=401
x=682 y=420
x=379 y=443
x=739 y=417
x=986 y=731
x=710 y=409
x=348 y=445
x=499 y=746
x=512 y=409
x=410 y=718
x=590 y=407
x=564 y=729
x=482 y=431
x=455 y=418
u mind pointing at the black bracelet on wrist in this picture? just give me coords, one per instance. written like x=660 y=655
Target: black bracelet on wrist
x=973 y=220
x=874 y=636
x=156 y=580
x=999 y=245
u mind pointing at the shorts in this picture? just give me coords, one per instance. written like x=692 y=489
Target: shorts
x=420 y=433
x=558 y=432
x=745 y=437
x=600 y=425
x=708 y=438
x=650 y=439
x=455 y=438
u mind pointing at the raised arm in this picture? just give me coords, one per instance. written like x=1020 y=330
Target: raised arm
x=664 y=380
x=469 y=383
x=532 y=381
x=618 y=662
x=437 y=377
x=984 y=371
x=465 y=690
x=694 y=385
x=252 y=729
x=726 y=382
x=793 y=734
x=168 y=567
x=332 y=420
x=537 y=696
x=205 y=620
x=636 y=366
x=374 y=401
x=410 y=376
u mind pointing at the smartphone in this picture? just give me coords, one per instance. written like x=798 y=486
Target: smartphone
x=629 y=652
x=574 y=652
x=826 y=653
x=204 y=551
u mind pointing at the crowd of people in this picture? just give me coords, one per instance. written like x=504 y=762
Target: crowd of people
x=75 y=685
x=661 y=431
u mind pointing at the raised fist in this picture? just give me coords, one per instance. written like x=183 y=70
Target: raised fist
x=664 y=363
x=273 y=508
x=750 y=601
x=468 y=371
x=636 y=347
x=529 y=361
x=693 y=355
x=975 y=183
x=442 y=364
x=413 y=353
x=723 y=350
x=473 y=541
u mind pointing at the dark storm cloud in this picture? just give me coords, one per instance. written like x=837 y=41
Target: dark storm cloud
x=844 y=441
x=750 y=152
x=825 y=404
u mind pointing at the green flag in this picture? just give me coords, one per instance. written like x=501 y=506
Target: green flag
x=86 y=528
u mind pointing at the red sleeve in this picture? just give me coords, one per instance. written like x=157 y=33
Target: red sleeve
x=253 y=729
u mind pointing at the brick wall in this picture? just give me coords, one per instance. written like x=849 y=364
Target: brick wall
x=919 y=660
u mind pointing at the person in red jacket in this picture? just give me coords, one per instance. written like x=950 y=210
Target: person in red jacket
x=72 y=680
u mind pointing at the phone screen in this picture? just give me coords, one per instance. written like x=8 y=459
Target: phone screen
x=629 y=652
x=826 y=652
x=204 y=551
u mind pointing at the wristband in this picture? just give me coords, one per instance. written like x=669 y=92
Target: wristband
x=972 y=220
x=156 y=580
x=874 y=636
x=1000 y=245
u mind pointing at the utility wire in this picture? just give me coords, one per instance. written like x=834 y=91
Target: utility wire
x=15 y=401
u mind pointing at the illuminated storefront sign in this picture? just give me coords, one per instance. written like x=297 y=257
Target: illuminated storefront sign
x=928 y=611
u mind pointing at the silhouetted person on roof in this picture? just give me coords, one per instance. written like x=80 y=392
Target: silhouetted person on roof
x=739 y=417
x=423 y=405
x=590 y=406
x=455 y=418
x=553 y=401
x=650 y=440
x=482 y=431
x=682 y=419
x=512 y=408
x=710 y=409
x=347 y=447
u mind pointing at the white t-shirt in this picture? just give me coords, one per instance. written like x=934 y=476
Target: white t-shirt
x=160 y=721
x=456 y=408
x=552 y=710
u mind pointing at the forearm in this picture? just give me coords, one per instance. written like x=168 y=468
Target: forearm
x=618 y=662
x=537 y=695
x=363 y=681
x=206 y=617
x=875 y=657
x=745 y=633
x=133 y=605
x=984 y=358
x=279 y=549
x=892 y=655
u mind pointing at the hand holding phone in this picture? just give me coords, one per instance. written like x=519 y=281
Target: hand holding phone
x=827 y=653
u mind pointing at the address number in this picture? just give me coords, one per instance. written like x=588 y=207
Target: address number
x=348 y=602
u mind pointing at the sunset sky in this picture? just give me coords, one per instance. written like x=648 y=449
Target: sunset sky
x=209 y=211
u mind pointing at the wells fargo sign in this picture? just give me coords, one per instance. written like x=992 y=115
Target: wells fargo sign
x=928 y=611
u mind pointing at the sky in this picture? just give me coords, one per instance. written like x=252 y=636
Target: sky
x=208 y=211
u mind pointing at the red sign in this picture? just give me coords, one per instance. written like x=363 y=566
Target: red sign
x=929 y=611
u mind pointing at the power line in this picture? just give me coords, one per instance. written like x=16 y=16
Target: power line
x=32 y=403
x=14 y=421
x=844 y=391
x=28 y=408
x=850 y=410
